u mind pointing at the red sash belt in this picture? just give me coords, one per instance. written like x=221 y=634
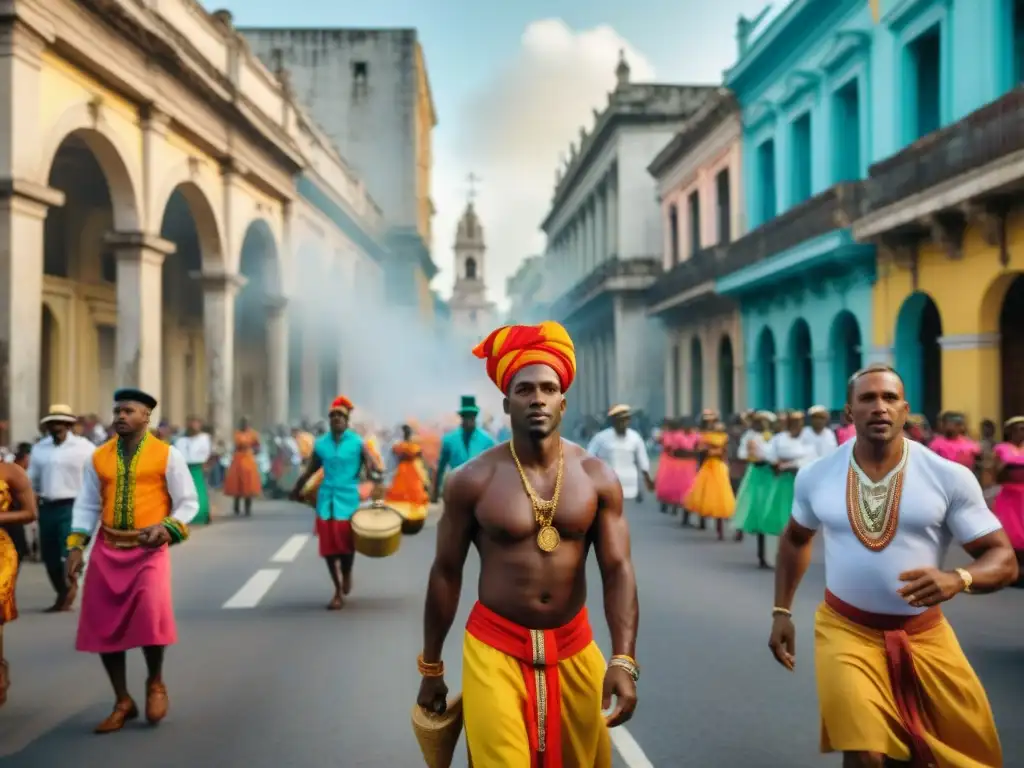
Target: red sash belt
x=538 y=652
x=906 y=688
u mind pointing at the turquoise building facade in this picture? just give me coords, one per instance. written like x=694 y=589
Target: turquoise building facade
x=805 y=92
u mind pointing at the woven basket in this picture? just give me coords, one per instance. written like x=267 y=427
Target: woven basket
x=437 y=735
x=376 y=531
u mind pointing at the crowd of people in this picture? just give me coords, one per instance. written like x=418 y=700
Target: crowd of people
x=535 y=506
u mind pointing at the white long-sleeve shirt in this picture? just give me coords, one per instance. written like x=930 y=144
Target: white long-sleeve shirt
x=184 y=500
x=786 y=449
x=56 y=470
x=822 y=443
x=195 y=448
x=625 y=454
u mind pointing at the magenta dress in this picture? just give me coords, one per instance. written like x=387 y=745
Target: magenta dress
x=675 y=475
x=962 y=450
x=1009 y=504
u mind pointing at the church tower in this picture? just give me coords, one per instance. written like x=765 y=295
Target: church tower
x=471 y=313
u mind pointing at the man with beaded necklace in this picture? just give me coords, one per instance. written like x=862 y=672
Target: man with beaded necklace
x=893 y=683
x=138 y=498
x=534 y=682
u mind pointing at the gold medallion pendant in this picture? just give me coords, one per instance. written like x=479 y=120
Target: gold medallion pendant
x=548 y=538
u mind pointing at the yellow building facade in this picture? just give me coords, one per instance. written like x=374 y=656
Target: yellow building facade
x=146 y=233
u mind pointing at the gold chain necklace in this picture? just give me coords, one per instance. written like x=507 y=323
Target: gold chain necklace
x=543 y=510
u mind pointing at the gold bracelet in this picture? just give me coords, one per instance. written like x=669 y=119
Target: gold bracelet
x=626 y=663
x=76 y=541
x=430 y=668
x=966 y=578
x=778 y=610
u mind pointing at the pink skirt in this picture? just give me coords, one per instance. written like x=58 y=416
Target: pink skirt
x=126 y=600
x=674 y=479
x=334 y=537
x=1009 y=508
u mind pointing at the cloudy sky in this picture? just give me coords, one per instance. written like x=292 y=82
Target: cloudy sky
x=514 y=82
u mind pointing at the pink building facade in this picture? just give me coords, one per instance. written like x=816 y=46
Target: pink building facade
x=699 y=177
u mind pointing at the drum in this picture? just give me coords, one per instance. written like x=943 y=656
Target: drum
x=376 y=531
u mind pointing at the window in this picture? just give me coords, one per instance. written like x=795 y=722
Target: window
x=360 y=76
x=922 y=85
x=800 y=168
x=673 y=233
x=723 y=197
x=766 y=181
x=846 y=133
x=693 y=202
x=471 y=268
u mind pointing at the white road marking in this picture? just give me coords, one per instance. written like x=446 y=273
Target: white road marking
x=254 y=590
x=628 y=749
x=291 y=548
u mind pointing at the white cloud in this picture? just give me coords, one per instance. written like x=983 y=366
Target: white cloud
x=511 y=133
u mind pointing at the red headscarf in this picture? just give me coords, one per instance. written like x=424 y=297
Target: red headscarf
x=341 y=403
x=513 y=347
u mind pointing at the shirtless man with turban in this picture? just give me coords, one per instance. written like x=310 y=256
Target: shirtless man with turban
x=534 y=682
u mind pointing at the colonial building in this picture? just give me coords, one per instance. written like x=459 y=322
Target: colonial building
x=604 y=244
x=698 y=174
x=525 y=290
x=803 y=284
x=369 y=89
x=163 y=196
x=471 y=315
x=944 y=203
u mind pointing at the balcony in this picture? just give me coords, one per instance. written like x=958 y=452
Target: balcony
x=615 y=274
x=835 y=208
x=935 y=185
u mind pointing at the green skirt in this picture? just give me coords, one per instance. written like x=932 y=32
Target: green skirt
x=199 y=477
x=752 y=493
x=772 y=516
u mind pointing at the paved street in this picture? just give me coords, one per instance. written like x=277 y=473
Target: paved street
x=285 y=683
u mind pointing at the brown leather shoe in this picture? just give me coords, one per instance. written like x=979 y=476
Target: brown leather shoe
x=123 y=712
x=156 y=702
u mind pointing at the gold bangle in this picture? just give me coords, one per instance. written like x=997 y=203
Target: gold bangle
x=76 y=541
x=430 y=668
x=966 y=578
x=624 y=657
x=626 y=663
x=778 y=610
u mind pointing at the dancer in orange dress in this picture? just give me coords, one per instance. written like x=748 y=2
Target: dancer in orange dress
x=243 y=479
x=711 y=496
x=17 y=507
x=408 y=492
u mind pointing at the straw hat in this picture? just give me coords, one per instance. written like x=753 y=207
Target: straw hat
x=59 y=413
x=437 y=735
x=619 y=410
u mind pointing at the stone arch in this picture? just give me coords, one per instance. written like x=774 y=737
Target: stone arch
x=470 y=268
x=260 y=354
x=846 y=345
x=83 y=123
x=765 y=362
x=726 y=375
x=800 y=351
x=199 y=196
x=918 y=353
x=696 y=376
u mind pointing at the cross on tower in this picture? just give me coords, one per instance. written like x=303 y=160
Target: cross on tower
x=472 y=179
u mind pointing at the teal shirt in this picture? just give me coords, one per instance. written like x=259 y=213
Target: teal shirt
x=342 y=461
x=455 y=452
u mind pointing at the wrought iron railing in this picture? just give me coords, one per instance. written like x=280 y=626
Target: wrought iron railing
x=984 y=136
x=614 y=267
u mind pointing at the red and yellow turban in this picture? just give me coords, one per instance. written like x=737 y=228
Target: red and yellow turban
x=513 y=347
x=341 y=403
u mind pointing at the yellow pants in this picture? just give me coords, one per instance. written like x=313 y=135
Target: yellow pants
x=494 y=699
x=858 y=707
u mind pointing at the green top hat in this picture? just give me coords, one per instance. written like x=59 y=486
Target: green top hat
x=469 y=406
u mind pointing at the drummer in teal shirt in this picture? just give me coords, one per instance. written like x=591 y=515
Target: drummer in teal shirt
x=344 y=456
x=462 y=444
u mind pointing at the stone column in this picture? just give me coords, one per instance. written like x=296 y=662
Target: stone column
x=971 y=380
x=219 y=292
x=600 y=214
x=23 y=207
x=825 y=389
x=277 y=360
x=140 y=261
x=612 y=201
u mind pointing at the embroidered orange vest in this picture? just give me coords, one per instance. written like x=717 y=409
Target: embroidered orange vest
x=134 y=492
